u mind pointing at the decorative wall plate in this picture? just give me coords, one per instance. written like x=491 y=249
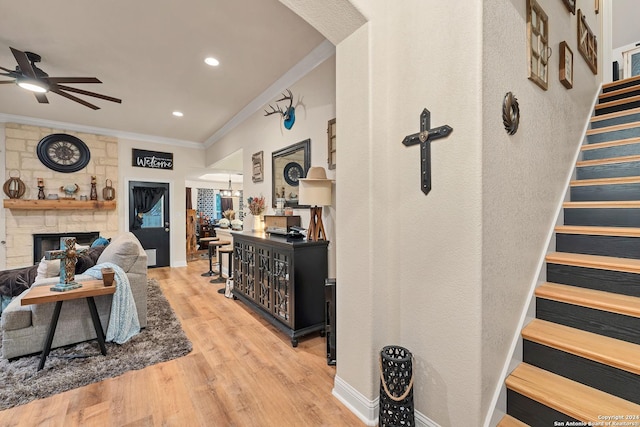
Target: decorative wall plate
x=292 y=173
x=63 y=153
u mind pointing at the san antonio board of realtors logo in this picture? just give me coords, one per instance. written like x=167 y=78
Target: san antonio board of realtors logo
x=152 y=159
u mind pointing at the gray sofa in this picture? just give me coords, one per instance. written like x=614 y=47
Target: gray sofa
x=24 y=327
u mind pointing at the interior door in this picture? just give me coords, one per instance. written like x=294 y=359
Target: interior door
x=631 y=59
x=149 y=219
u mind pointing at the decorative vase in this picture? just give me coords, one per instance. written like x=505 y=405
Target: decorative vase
x=257 y=223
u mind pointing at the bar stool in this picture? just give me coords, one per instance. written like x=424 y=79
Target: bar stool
x=228 y=251
x=216 y=245
x=209 y=240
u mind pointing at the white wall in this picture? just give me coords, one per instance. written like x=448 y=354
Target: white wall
x=314 y=96
x=524 y=176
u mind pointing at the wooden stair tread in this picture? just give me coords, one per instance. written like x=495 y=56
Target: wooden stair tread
x=608 y=161
x=569 y=397
x=614 y=115
x=617 y=102
x=599 y=300
x=605 y=181
x=509 y=421
x=599 y=348
x=604 y=95
x=628 y=265
x=598 y=231
x=616 y=204
x=607 y=144
x=621 y=82
x=614 y=128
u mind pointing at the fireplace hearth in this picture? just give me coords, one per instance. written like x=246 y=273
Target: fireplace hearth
x=51 y=242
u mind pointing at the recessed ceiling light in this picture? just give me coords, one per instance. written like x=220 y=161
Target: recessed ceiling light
x=212 y=61
x=178 y=113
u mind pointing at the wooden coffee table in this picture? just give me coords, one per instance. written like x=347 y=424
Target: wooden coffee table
x=89 y=289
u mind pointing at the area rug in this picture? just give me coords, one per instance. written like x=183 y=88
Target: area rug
x=163 y=339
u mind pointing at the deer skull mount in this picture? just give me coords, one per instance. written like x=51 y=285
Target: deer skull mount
x=289 y=114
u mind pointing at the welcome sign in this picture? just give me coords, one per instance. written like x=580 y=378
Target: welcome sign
x=152 y=159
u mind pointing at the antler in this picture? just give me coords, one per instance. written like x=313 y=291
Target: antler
x=279 y=110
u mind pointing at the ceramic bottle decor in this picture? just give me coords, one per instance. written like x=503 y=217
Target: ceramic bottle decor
x=94 y=192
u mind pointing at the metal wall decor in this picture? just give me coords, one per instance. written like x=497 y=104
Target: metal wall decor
x=571 y=5
x=538 y=50
x=510 y=113
x=587 y=43
x=566 y=65
x=424 y=138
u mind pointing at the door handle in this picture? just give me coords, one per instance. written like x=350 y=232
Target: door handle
x=166 y=229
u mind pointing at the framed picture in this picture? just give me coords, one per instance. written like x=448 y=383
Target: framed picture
x=571 y=5
x=258 y=167
x=538 y=50
x=587 y=43
x=331 y=143
x=566 y=65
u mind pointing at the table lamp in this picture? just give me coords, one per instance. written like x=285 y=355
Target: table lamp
x=315 y=190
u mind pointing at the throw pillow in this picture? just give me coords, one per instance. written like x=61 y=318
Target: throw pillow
x=100 y=241
x=48 y=269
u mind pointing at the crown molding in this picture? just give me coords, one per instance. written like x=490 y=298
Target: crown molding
x=317 y=56
x=24 y=120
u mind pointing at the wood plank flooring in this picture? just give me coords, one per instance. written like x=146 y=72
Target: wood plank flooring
x=241 y=372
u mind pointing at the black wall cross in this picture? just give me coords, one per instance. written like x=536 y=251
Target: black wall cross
x=424 y=137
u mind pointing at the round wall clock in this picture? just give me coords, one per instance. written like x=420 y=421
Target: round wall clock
x=63 y=153
x=292 y=173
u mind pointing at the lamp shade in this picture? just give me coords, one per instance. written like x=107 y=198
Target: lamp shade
x=315 y=189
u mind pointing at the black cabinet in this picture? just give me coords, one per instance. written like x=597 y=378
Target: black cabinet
x=282 y=280
x=330 y=319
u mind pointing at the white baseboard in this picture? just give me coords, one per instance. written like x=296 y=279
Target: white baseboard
x=366 y=409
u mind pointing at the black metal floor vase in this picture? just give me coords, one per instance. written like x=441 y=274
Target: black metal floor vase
x=424 y=138
x=396 y=387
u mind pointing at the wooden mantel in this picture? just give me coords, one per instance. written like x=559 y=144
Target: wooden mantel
x=60 y=204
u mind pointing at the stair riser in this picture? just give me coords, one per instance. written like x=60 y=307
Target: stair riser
x=621 y=85
x=592 y=278
x=634 y=92
x=609 y=193
x=629 y=118
x=618 y=326
x=616 y=108
x=613 y=217
x=596 y=375
x=532 y=412
x=610 y=152
x=616 y=246
x=613 y=135
x=613 y=170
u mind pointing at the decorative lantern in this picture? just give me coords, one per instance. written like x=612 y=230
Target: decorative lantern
x=108 y=192
x=14 y=187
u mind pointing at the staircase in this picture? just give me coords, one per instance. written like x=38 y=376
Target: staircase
x=581 y=354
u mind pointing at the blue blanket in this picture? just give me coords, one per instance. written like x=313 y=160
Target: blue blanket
x=123 y=322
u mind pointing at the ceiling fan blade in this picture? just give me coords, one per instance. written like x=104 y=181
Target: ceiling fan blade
x=41 y=97
x=84 y=92
x=5 y=82
x=75 y=98
x=71 y=79
x=7 y=70
x=23 y=62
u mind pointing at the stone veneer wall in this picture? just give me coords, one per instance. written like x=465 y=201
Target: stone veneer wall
x=20 y=145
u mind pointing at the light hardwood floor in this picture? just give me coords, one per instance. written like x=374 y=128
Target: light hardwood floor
x=241 y=372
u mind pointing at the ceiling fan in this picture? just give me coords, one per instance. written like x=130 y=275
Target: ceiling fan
x=28 y=76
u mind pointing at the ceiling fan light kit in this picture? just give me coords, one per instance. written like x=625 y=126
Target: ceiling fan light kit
x=28 y=76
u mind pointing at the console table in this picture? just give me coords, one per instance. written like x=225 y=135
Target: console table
x=282 y=280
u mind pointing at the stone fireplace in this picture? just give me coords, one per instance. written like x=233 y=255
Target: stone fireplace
x=51 y=242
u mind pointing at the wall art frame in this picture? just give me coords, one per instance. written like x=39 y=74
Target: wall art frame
x=587 y=43
x=331 y=143
x=257 y=167
x=538 y=50
x=570 y=5
x=566 y=65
